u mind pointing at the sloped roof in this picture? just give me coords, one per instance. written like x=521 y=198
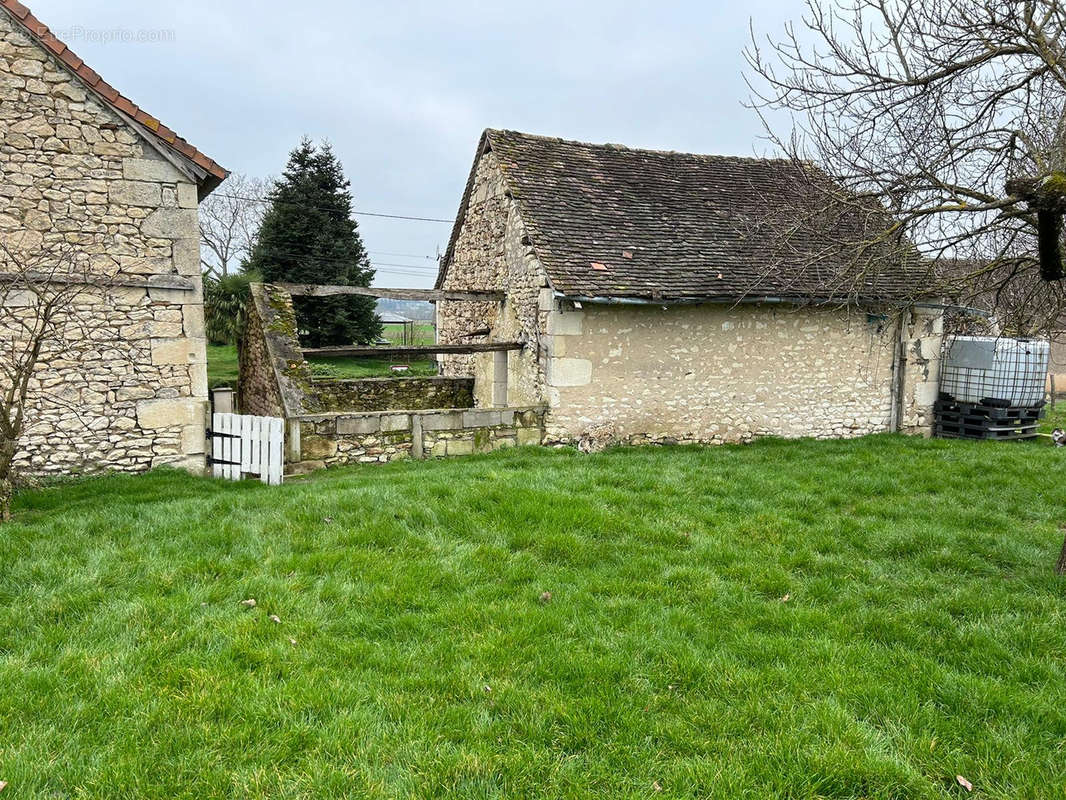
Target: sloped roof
x=608 y=221
x=211 y=174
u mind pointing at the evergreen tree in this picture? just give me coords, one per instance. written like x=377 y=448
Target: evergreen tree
x=309 y=236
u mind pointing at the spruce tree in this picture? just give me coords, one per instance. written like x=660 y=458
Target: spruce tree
x=309 y=236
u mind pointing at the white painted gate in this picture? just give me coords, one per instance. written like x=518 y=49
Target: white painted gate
x=245 y=445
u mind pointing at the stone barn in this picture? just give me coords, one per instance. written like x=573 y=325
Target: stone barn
x=84 y=167
x=652 y=311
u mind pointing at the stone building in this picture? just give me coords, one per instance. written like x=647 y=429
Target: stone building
x=654 y=305
x=83 y=167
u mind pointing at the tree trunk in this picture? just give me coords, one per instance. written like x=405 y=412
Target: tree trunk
x=8 y=448
x=1061 y=566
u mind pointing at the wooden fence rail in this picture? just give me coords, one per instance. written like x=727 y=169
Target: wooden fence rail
x=429 y=350
x=428 y=295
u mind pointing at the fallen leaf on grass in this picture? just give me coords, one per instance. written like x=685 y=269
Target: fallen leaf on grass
x=3 y=785
x=249 y=603
x=292 y=642
x=656 y=786
x=275 y=619
x=546 y=597
x=786 y=598
x=965 y=784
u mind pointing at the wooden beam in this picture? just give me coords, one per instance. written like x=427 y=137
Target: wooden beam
x=429 y=295
x=436 y=349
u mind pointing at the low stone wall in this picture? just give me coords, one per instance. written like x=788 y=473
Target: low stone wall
x=383 y=394
x=381 y=436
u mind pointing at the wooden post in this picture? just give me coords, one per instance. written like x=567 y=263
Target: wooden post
x=499 y=379
x=293 y=451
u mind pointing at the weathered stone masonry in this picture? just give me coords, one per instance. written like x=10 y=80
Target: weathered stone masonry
x=682 y=373
x=493 y=253
x=375 y=420
x=75 y=172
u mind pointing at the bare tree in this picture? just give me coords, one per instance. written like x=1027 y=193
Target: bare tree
x=41 y=290
x=943 y=120
x=229 y=223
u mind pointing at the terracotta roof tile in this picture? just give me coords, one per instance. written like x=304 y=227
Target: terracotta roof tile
x=39 y=31
x=686 y=226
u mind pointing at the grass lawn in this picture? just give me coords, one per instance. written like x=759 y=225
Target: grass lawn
x=222 y=366
x=859 y=619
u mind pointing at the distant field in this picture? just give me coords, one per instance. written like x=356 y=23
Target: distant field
x=222 y=366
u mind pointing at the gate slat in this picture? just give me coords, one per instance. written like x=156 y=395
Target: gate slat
x=216 y=445
x=275 y=457
x=255 y=445
x=258 y=423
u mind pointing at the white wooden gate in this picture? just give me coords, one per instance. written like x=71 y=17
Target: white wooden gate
x=246 y=445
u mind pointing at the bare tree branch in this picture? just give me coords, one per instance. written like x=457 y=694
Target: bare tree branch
x=229 y=224
x=931 y=117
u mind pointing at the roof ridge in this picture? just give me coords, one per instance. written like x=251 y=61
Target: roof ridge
x=111 y=96
x=626 y=148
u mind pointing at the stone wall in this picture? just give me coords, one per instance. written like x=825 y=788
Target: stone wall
x=493 y=253
x=335 y=439
x=383 y=394
x=715 y=374
x=257 y=386
x=75 y=174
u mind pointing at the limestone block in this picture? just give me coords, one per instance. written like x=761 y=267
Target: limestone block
x=358 y=425
x=187 y=257
x=546 y=300
x=170 y=330
x=449 y=421
x=925 y=394
x=527 y=436
x=187 y=196
x=198 y=380
x=569 y=323
x=179 y=350
x=460 y=447
x=930 y=347
x=34 y=126
x=128 y=295
x=396 y=422
x=163 y=294
x=317 y=448
x=172 y=223
x=171 y=412
x=27 y=68
x=193 y=320
x=145 y=169
x=570 y=372
x=194 y=439
x=135 y=193
x=481 y=419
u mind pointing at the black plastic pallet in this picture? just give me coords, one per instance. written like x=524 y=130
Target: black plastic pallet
x=991 y=412
x=1014 y=433
x=970 y=420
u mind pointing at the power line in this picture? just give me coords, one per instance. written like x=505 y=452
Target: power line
x=401 y=255
x=326 y=208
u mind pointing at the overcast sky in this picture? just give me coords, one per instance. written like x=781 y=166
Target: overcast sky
x=404 y=89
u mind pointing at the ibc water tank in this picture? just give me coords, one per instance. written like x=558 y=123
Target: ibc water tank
x=995 y=371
